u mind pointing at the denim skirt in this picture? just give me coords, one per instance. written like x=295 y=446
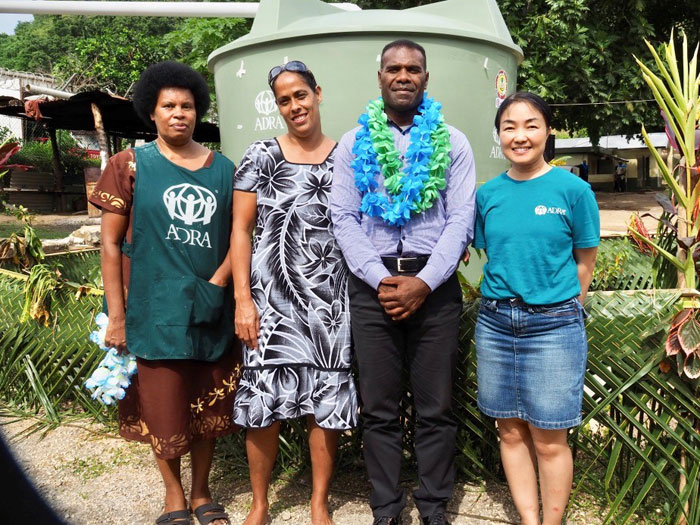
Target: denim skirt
x=531 y=361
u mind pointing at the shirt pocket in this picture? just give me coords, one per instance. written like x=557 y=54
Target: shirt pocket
x=208 y=302
x=563 y=310
x=187 y=301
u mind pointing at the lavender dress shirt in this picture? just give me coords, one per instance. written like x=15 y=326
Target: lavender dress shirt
x=442 y=232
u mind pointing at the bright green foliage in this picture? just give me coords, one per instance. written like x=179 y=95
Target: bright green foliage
x=637 y=416
x=196 y=38
x=620 y=266
x=39 y=155
x=114 y=51
x=575 y=51
x=103 y=52
x=579 y=51
x=43 y=367
x=108 y=52
x=676 y=93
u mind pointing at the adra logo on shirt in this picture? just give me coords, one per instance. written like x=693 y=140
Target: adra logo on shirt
x=189 y=204
x=544 y=210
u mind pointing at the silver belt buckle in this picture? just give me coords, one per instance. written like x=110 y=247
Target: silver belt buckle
x=398 y=264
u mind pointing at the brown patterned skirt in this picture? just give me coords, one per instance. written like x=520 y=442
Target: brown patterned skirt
x=174 y=403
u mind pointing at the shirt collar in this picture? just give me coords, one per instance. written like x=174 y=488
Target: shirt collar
x=403 y=131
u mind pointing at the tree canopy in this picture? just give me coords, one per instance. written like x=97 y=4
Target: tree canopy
x=109 y=52
x=95 y=52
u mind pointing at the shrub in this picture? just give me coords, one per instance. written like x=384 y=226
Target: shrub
x=40 y=155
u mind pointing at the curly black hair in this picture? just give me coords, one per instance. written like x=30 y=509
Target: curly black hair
x=166 y=75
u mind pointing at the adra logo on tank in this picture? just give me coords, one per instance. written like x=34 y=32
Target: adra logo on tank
x=191 y=205
x=268 y=117
x=496 y=152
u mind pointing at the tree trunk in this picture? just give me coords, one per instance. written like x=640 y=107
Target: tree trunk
x=101 y=136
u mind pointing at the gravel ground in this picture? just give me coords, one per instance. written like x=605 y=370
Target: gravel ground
x=91 y=477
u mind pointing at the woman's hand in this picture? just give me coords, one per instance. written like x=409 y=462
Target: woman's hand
x=217 y=281
x=247 y=322
x=116 y=334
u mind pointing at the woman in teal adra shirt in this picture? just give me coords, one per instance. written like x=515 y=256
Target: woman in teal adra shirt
x=540 y=228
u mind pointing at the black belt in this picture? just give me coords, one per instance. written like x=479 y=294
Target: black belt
x=516 y=301
x=405 y=264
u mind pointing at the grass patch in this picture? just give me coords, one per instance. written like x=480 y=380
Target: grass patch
x=92 y=467
x=43 y=231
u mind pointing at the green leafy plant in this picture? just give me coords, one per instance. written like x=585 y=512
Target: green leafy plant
x=38 y=155
x=6 y=135
x=676 y=93
x=683 y=342
x=39 y=293
x=23 y=249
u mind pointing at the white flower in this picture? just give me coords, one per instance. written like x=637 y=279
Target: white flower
x=113 y=375
x=101 y=319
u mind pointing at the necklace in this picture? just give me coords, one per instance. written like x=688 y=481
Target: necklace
x=413 y=189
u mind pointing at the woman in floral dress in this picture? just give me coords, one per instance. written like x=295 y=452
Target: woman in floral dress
x=291 y=297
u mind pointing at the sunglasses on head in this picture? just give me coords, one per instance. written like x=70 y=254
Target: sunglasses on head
x=295 y=66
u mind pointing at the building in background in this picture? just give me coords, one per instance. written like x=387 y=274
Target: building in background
x=11 y=86
x=642 y=169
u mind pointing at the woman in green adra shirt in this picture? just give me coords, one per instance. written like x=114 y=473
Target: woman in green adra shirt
x=165 y=239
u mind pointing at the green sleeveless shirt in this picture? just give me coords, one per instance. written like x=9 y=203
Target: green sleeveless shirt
x=180 y=236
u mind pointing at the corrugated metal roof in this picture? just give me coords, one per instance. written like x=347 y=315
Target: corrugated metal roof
x=118 y=116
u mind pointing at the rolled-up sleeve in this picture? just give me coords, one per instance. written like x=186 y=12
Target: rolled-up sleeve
x=458 y=231
x=115 y=187
x=361 y=256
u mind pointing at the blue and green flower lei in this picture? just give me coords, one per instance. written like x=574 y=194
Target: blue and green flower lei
x=413 y=189
x=112 y=376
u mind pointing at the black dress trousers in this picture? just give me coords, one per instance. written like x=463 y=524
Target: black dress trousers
x=427 y=341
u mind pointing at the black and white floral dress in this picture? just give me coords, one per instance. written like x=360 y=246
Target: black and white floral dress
x=299 y=285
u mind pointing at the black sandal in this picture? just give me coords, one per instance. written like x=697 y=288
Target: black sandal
x=176 y=517
x=209 y=512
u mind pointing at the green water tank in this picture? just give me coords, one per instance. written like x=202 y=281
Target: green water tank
x=471 y=58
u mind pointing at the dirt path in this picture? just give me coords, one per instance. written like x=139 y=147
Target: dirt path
x=616 y=208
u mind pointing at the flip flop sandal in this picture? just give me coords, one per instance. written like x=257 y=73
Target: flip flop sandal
x=177 y=517
x=209 y=512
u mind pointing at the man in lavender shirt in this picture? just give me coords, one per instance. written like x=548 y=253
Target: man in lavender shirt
x=405 y=302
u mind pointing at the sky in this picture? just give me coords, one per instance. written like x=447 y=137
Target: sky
x=8 y=22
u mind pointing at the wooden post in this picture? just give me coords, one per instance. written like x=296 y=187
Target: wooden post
x=101 y=136
x=116 y=144
x=57 y=168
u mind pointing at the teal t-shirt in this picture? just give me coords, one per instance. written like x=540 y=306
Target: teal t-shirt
x=529 y=230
